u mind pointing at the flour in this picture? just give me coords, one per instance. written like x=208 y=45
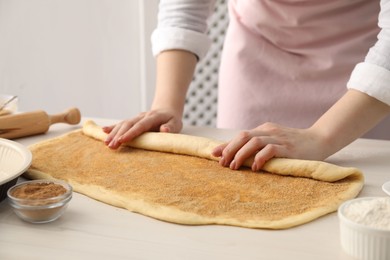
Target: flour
x=371 y=212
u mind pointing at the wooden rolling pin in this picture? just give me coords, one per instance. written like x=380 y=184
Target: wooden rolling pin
x=36 y=122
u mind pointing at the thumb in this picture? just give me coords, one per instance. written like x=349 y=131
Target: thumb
x=172 y=126
x=165 y=128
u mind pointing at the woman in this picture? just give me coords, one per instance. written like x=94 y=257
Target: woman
x=284 y=62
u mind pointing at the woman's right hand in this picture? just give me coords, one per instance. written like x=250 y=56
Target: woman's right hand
x=155 y=120
x=175 y=69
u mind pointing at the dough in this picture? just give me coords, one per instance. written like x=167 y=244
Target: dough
x=184 y=188
x=202 y=147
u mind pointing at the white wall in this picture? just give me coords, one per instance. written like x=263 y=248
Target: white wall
x=92 y=54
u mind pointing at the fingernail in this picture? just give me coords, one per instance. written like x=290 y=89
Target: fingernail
x=165 y=129
x=222 y=161
x=111 y=144
x=254 y=167
x=233 y=165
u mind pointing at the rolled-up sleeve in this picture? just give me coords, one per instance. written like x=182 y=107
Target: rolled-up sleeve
x=182 y=24
x=373 y=75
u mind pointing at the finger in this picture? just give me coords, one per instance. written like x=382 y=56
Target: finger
x=112 y=133
x=129 y=133
x=165 y=128
x=172 y=126
x=217 y=151
x=108 y=129
x=147 y=123
x=115 y=131
x=119 y=132
x=252 y=147
x=233 y=146
x=268 y=152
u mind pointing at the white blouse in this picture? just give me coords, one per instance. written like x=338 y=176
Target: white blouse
x=182 y=24
x=373 y=75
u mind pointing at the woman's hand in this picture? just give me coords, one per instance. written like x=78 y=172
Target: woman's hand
x=267 y=141
x=175 y=70
x=154 y=120
x=348 y=119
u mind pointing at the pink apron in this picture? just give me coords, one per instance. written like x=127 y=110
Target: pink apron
x=288 y=61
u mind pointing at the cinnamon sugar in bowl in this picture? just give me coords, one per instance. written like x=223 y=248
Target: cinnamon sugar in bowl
x=40 y=201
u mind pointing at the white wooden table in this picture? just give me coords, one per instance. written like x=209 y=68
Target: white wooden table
x=93 y=230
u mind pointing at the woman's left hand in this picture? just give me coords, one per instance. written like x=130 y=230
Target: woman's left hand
x=267 y=141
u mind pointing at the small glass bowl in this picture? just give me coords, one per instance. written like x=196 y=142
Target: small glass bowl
x=34 y=208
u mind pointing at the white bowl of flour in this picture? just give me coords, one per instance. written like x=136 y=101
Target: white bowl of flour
x=365 y=227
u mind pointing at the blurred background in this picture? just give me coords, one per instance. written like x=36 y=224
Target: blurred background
x=92 y=54
x=96 y=55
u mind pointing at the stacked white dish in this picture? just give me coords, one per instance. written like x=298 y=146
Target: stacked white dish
x=14 y=161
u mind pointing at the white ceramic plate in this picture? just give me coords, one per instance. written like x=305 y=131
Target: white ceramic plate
x=14 y=160
x=386 y=187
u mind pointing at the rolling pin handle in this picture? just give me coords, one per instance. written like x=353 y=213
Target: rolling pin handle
x=71 y=116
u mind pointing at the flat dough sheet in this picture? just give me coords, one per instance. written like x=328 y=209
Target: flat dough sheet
x=188 y=189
